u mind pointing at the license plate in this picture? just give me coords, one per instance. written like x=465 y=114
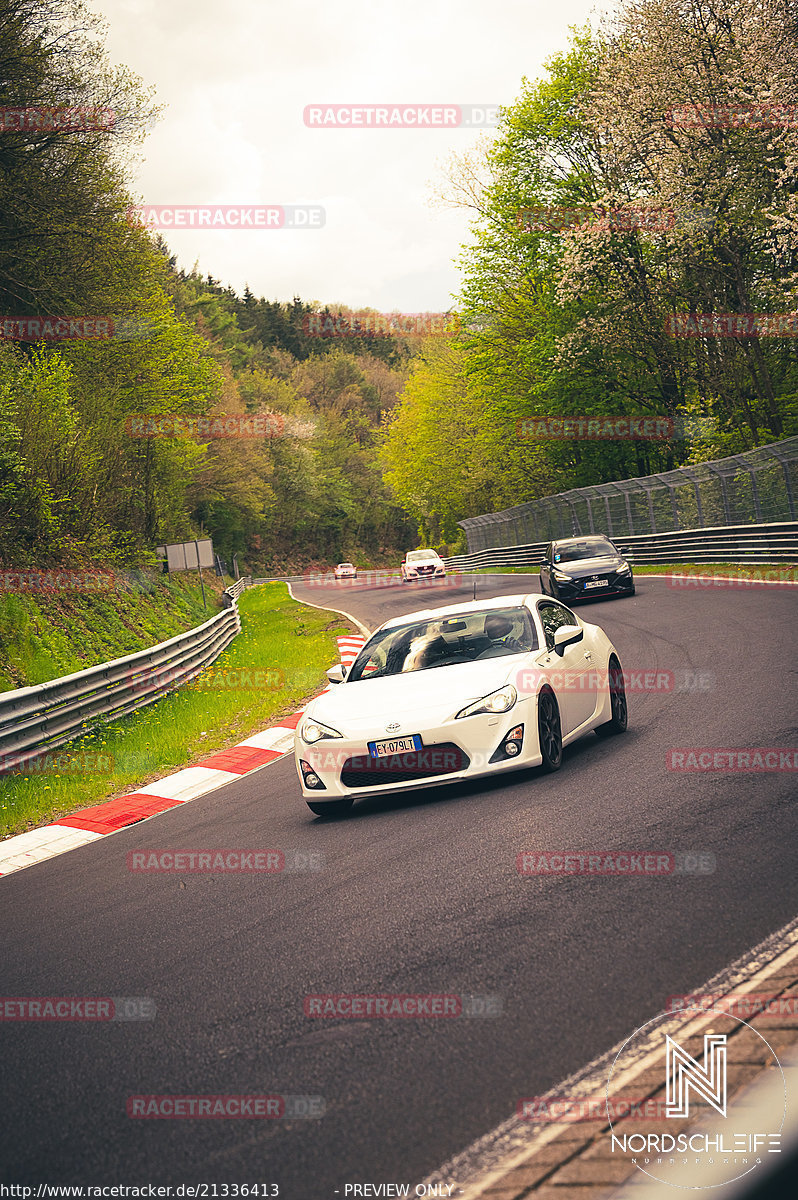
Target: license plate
x=597 y=583
x=384 y=749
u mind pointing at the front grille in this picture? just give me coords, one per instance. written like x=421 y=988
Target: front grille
x=365 y=771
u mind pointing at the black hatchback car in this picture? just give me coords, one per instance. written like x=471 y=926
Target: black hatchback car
x=584 y=568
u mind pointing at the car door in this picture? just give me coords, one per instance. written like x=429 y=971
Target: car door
x=574 y=675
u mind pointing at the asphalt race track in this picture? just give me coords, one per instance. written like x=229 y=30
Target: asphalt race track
x=416 y=895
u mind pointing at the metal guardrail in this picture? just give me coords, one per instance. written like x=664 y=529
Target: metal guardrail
x=774 y=542
x=231 y=594
x=36 y=720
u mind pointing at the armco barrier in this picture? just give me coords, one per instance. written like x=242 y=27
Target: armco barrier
x=777 y=542
x=36 y=720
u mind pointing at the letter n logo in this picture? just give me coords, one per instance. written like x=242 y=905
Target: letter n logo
x=683 y=1072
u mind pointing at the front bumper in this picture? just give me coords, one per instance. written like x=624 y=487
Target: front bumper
x=617 y=585
x=446 y=747
x=413 y=576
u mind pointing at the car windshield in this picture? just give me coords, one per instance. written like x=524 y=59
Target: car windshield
x=342 y=565
x=445 y=642
x=418 y=555
x=598 y=548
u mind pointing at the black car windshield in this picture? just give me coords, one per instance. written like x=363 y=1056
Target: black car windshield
x=445 y=642
x=594 y=548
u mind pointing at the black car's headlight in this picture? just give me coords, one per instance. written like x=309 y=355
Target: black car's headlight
x=495 y=702
x=560 y=576
x=314 y=731
x=623 y=569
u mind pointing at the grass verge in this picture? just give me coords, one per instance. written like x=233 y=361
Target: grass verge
x=44 y=635
x=277 y=661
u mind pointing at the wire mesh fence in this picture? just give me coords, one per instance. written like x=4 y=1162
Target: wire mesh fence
x=751 y=488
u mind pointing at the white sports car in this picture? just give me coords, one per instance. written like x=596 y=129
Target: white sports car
x=345 y=571
x=456 y=693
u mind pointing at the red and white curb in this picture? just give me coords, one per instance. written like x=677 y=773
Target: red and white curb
x=88 y=824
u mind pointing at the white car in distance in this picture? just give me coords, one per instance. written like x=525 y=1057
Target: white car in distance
x=422 y=564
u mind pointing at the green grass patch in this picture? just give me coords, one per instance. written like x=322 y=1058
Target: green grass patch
x=754 y=570
x=46 y=635
x=276 y=662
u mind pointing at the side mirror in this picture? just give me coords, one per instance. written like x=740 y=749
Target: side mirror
x=566 y=635
x=337 y=674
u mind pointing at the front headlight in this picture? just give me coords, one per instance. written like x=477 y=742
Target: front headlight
x=313 y=731
x=496 y=702
x=560 y=576
x=623 y=569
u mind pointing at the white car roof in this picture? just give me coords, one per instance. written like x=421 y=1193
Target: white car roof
x=452 y=610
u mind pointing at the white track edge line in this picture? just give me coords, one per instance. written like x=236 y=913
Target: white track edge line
x=222 y=783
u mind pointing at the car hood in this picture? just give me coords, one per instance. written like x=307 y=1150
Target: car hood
x=589 y=566
x=416 y=699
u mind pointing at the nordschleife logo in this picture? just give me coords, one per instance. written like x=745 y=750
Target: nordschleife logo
x=683 y=1073
x=709 y=1135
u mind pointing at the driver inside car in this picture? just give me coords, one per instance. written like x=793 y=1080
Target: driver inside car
x=498 y=629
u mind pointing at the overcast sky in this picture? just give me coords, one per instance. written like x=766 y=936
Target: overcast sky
x=236 y=79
